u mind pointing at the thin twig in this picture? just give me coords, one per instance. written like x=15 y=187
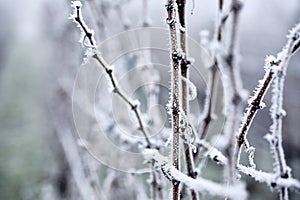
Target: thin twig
x=212 y=78
x=254 y=104
x=175 y=90
x=126 y=99
x=184 y=89
x=213 y=153
x=233 y=87
x=271 y=179
x=208 y=111
x=276 y=110
x=88 y=33
x=201 y=185
x=235 y=191
x=275 y=69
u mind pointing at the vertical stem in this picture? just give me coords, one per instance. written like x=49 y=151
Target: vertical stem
x=213 y=81
x=233 y=104
x=218 y=32
x=209 y=101
x=175 y=84
x=154 y=184
x=184 y=89
x=277 y=115
x=277 y=112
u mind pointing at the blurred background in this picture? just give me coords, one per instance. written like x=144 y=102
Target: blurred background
x=39 y=59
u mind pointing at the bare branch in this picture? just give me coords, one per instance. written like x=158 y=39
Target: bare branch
x=184 y=88
x=272 y=66
x=201 y=185
x=89 y=33
x=271 y=179
x=212 y=79
x=254 y=104
x=275 y=68
x=233 y=90
x=277 y=112
x=204 y=186
x=213 y=153
x=175 y=90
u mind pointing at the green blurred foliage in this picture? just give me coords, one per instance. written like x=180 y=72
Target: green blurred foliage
x=22 y=123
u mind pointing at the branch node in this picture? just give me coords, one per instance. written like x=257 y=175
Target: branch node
x=236 y=99
x=237 y=6
x=134 y=106
x=273 y=184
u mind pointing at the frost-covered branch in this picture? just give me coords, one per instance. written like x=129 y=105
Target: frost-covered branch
x=233 y=90
x=277 y=111
x=208 y=111
x=254 y=104
x=201 y=185
x=77 y=18
x=175 y=90
x=204 y=186
x=89 y=34
x=189 y=160
x=273 y=66
x=213 y=153
x=271 y=179
x=275 y=69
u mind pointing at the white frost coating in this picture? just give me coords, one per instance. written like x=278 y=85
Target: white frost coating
x=204 y=37
x=258 y=175
x=262 y=105
x=234 y=192
x=294 y=32
x=283 y=112
x=251 y=151
x=276 y=110
x=153 y=154
x=89 y=53
x=204 y=186
x=252 y=108
x=270 y=179
x=76 y=4
x=192 y=92
x=78 y=19
x=213 y=153
x=268 y=137
x=136 y=102
x=187 y=131
x=111 y=67
x=169 y=140
x=191 y=60
x=268 y=60
x=181 y=28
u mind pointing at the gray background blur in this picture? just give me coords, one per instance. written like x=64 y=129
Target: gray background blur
x=38 y=47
